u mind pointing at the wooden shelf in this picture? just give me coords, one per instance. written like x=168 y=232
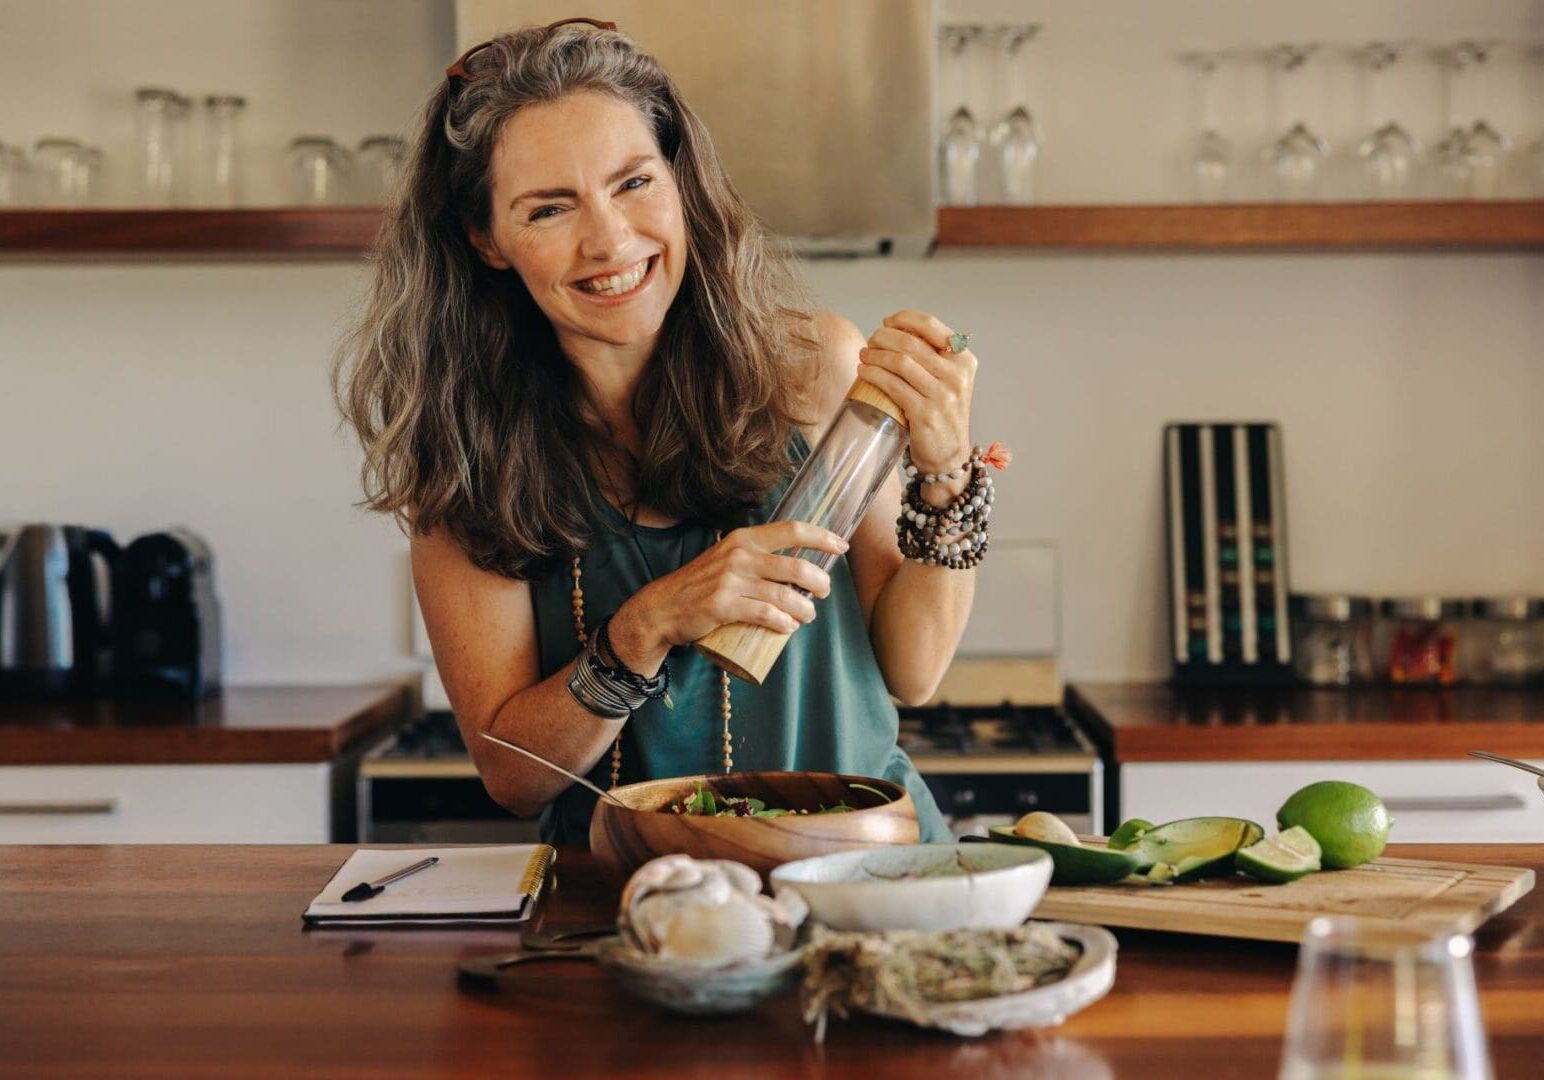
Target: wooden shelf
x=1476 y=226
x=280 y=232
x=348 y=232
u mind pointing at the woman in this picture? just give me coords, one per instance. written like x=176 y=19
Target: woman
x=583 y=379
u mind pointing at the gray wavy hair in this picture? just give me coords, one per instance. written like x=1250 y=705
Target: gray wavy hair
x=468 y=413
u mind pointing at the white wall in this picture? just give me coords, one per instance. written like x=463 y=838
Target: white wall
x=136 y=396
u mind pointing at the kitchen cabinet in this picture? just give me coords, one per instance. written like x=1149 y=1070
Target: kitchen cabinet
x=1433 y=802
x=349 y=232
x=166 y=804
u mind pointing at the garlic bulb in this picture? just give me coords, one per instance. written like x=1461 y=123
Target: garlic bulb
x=705 y=911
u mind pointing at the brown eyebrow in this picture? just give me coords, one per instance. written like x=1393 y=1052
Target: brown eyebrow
x=570 y=193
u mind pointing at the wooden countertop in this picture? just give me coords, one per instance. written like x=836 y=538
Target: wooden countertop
x=259 y=724
x=191 y=961
x=1156 y=722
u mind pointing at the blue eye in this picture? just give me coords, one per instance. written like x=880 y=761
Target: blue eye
x=638 y=180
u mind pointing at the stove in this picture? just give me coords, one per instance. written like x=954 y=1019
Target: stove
x=985 y=765
x=991 y=764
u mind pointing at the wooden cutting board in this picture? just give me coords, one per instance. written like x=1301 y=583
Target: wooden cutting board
x=1396 y=895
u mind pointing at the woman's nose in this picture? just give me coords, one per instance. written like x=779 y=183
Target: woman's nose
x=606 y=232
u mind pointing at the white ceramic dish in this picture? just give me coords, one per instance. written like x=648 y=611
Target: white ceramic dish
x=920 y=886
x=1045 y=1006
x=696 y=989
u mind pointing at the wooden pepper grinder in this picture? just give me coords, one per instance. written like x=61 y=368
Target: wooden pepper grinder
x=832 y=489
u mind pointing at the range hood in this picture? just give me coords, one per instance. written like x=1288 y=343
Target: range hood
x=822 y=111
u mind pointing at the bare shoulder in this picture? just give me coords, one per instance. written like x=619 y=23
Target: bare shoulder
x=840 y=342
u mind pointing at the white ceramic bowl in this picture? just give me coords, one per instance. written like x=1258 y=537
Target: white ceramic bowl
x=920 y=886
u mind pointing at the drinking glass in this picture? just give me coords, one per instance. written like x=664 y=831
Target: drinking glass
x=1297 y=157
x=1211 y=155
x=13 y=176
x=1016 y=135
x=318 y=169
x=1371 y=1002
x=64 y=171
x=1471 y=159
x=162 y=119
x=222 y=148
x=380 y=159
x=960 y=150
x=1389 y=154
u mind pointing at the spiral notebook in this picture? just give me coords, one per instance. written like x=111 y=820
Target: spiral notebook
x=468 y=885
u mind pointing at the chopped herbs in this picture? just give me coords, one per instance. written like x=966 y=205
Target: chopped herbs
x=703 y=803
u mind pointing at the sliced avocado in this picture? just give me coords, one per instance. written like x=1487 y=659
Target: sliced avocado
x=1195 y=846
x=1129 y=833
x=1074 y=864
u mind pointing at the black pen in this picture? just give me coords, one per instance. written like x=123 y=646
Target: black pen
x=366 y=889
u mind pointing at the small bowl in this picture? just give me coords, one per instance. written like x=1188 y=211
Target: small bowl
x=921 y=886
x=698 y=990
x=624 y=838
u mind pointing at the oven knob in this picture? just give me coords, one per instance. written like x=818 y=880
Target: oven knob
x=1028 y=798
x=964 y=797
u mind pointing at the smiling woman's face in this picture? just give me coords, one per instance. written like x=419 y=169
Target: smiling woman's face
x=586 y=211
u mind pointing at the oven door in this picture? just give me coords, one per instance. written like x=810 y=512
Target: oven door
x=972 y=802
x=435 y=809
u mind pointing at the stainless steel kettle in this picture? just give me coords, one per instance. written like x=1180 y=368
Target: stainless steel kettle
x=55 y=597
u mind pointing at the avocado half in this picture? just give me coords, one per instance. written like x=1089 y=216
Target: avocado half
x=1195 y=847
x=1073 y=864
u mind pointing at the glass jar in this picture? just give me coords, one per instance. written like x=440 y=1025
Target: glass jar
x=1332 y=639
x=318 y=170
x=1504 y=644
x=222 y=149
x=63 y=171
x=162 y=120
x=1418 y=640
x=380 y=161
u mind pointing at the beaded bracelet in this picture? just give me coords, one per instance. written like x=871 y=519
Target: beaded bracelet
x=613 y=667
x=956 y=535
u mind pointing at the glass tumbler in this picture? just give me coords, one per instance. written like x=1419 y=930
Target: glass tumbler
x=14 y=187
x=1502 y=646
x=318 y=169
x=63 y=169
x=161 y=121
x=1370 y=1002
x=222 y=148
x=380 y=160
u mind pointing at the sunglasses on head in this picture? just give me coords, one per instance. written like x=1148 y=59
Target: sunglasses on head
x=458 y=69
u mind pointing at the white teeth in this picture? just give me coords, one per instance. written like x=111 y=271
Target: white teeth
x=617 y=284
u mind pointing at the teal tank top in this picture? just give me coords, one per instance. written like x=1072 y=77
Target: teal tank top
x=824 y=707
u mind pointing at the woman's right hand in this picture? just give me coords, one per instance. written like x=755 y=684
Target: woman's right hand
x=740 y=579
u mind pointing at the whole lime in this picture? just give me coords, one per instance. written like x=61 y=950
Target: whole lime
x=1351 y=823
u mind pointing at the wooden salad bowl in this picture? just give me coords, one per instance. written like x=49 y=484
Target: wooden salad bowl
x=624 y=839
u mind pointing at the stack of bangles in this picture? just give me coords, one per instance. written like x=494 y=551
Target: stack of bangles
x=954 y=536
x=606 y=686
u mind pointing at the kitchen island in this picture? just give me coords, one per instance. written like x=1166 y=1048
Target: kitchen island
x=190 y=961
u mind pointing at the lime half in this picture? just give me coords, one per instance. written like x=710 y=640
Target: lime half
x=1284 y=857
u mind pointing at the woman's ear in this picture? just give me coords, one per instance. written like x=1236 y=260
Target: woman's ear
x=487 y=250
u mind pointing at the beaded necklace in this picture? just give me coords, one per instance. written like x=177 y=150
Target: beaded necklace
x=584 y=638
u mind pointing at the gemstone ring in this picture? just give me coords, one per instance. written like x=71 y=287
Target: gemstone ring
x=959 y=341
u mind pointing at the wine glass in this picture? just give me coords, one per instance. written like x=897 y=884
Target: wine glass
x=1016 y=135
x=1297 y=157
x=1211 y=155
x=1470 y=160
x=960 y=149
x=1534 y=160
x=1389 y=154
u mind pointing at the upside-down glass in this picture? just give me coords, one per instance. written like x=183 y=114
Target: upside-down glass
x=1297 y=156
x=318 y=169
x=1016 y=135
x=162 y=119
x=960 y=148
x=222 y=148
x=14 y=174
x=380 y=159
x=1471 y=160
x=1210 y=160
x=64 y=171
x=1389 y=153
x=1371 y=1002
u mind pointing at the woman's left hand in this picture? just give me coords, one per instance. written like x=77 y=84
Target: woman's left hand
x=907 y=359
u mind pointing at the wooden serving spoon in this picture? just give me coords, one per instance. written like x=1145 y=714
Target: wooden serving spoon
x=1523 y=765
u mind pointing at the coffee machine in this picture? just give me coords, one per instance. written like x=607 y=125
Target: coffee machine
x=166 y=618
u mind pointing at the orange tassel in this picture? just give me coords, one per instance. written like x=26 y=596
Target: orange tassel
x=998 y=456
